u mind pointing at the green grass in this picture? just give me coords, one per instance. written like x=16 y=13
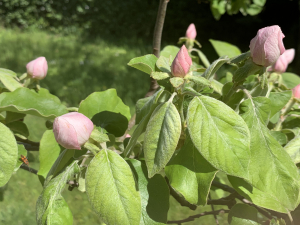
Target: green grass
x=77 y=68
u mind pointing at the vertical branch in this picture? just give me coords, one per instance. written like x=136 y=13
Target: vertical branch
x=160 y=19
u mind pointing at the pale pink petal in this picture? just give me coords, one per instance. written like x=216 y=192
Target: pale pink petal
x=182 y=63
x=191 y=31
x=296 y=91
x=65 y=134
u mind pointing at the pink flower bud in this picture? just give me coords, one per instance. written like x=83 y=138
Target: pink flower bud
x=267 y=46
x=191 y=32
x=37 y=68
x=296 y=91
x=182 y=63
x=283 y=61
x=72 y=130
x=127 y=136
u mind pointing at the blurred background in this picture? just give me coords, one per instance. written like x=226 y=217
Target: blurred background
x=88 y=44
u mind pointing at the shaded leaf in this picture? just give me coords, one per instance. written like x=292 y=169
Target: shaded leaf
x=243 y=214
x=114 y=123
x=190 y=174
x=154 y=194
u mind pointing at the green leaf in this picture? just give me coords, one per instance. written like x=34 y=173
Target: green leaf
x=7 y=77
x=48 y=153
x=103 y=101
x=268 y=160
x=198 y=80
x=13 y=116
x=111 y=190
x=144 y=63
x=161 y=137
x=176 y=81
x=290 y=80
x=51 y=208
x=203 y=58
x=278 y=101
x=170 y=51
x=114 y=123
x=220 y=135
x=223 y=48
x=240 y=58
x=280 y=137
x=24 y=100
x=8 y=153
x=249 y=68
x=144 y=105
x=243 y=214
x=213 y=68
x=18 y=127
x=65 y=159
x=163 y=64
x=190 y=174
x=216 y=85
x=21 y=151
x=159 y=75
x=218 y=8
x=98 y=136
x=259 y=91
x=154 y=195
x=8 y=72
x=258 y=197
x=293 y=149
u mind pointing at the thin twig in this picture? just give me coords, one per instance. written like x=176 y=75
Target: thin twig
x=27 y=141
x=159 y=24
x=178 y=198
x=213 y=210
x=229 y=200
x=192 y=218
x=224 y=187
x=31 y=170
x=29 y=147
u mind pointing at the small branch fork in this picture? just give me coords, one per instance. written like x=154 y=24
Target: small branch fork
x=228 y=201
x=192 y=218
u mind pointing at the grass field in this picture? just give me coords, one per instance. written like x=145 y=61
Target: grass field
x=77 y=68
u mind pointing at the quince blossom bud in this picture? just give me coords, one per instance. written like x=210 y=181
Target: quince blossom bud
x=283 y=61
x=296 y=91
x=267 y=46
x=191 y=32
x=72 y=130
x=37 y=68
x=182 y=63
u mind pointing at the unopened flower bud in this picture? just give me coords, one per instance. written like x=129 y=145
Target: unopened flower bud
x=182 y=63
x=296 y=91
x=37 y=68
x=283 y=61
x=267 y=46
x=72 y=130
x=191 y=32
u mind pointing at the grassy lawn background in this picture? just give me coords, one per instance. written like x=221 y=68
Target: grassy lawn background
x=77 y=68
